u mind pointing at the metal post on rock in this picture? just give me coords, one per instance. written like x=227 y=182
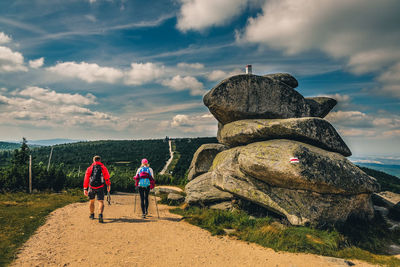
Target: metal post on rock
x=30 y=174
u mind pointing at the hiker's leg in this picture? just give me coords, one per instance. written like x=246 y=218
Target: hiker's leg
x=100 y=199
x=146 y=195
x=142 y=197
x=91 y=206
x=101 y=206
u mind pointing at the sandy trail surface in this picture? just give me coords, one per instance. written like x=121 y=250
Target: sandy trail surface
x=70 y=238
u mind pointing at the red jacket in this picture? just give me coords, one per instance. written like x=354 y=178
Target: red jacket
x=89 y=170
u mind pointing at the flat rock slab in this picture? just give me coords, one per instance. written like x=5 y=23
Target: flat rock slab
x=165 y=189
x=203 y=158
x=201 y=191
x=314 y=131
x=294 y=165
x=175 y=197
x=285 y=78
x=256 y=97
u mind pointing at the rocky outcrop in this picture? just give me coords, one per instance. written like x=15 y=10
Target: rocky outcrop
x=317 y=170
x=203 y=158
x=313 y=131
x=320 y=105
x=255 y=97
x=201 y=191
x=285 y=78
x=280 y=154
x=175 y=197
x=165 y=189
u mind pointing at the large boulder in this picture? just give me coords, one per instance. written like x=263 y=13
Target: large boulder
x=256 y=97
x=314 y=131
x=201 y=191
x=315 y=169
x=300 y=207
x=299 y=204
x=321 y=105
x=203 y=158
x=285 y=78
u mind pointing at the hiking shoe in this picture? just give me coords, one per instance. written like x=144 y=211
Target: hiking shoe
x=144 y=216
x=91 y=216
x=101 y=218
x=147 y=212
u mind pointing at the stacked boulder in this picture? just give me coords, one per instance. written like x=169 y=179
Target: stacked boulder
x=276 y=150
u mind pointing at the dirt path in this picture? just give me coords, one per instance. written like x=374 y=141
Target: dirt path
x=69 y=238
x=171 y=156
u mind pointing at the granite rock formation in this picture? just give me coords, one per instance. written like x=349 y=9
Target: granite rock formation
x=277 y=151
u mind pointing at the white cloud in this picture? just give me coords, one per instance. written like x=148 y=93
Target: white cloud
x=218 y=75
x=141 y=73
x=181 y=120
x=37 y=63
x=195 y=124
x=4 y=38
x=197 y=66
x=188 y=82
x=201 y=14
x=89 y=72
x=11 y=61
x=39 y=107
x=351 y=30
x=49 y=96
x=390 y=80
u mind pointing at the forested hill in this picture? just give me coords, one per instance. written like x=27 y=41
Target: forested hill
x=123 y=153
x=116 y=152
x=7 y=145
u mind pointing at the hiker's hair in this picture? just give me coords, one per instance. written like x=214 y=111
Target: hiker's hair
x=96 y=158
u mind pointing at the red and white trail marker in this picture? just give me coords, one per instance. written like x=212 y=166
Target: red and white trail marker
x=294 y=160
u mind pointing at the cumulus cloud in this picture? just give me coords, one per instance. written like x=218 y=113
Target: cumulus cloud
x=181 y=120
x=89 y=72
x=141 y=73
x=196 y=66
x=351 y=30
x=11 y=61
x=50 y=96
x=37 y=63
x=188 y=82
x=357 y=123
x=40 y=107
x=4 y=38
x=200 y=124
x=201 y=14
x=218 y=75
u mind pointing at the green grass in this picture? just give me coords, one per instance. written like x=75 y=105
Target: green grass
x=269 y=232
x=21 y=214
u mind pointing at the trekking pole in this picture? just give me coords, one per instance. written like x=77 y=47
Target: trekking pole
x=155 y=199
x=134 y=209
x=108 y=198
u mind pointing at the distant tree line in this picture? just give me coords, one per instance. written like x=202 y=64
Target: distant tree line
x=69 y=163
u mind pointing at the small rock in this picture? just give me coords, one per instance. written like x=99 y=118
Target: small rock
x=175 y=197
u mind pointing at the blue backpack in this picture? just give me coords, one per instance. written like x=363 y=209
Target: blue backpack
x=144 y=177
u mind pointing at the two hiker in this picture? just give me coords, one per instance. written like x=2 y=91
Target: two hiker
x=96 y=178
x=144 y=180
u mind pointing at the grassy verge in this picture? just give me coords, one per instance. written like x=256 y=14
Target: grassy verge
x=268 y=232
x=21 y=214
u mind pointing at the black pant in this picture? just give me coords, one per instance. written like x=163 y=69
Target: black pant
x=144 y=198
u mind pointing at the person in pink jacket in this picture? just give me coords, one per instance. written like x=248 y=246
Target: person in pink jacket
x=96 y=178
x=144 y=180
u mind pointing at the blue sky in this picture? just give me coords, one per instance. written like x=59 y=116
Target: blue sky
x=120 y=69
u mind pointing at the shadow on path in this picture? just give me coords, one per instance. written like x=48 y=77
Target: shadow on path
x=126 y=220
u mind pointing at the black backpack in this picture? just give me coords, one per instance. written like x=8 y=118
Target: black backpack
x=96 y=178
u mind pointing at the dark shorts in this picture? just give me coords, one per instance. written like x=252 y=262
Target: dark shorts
x=99 y=192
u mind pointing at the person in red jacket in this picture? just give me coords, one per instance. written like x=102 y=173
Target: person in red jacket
x=96 y=176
